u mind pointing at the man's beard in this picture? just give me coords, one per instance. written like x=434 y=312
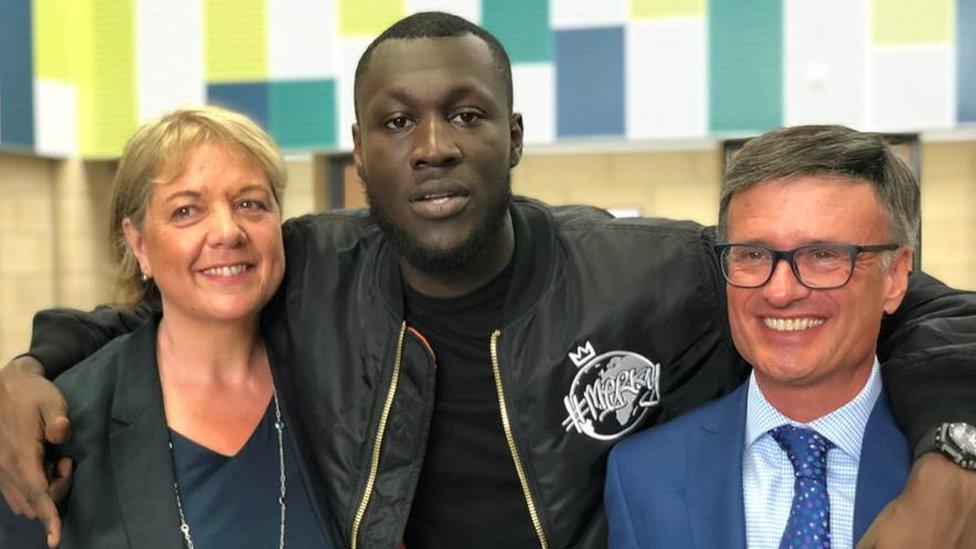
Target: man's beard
x=429 y=260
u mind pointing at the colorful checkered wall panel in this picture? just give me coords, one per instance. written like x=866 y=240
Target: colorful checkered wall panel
x=77 y=76
x=16 y=76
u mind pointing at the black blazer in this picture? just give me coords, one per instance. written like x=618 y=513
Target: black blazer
x=122 y=494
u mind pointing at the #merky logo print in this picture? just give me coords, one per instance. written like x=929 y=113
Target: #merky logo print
x=611 y=393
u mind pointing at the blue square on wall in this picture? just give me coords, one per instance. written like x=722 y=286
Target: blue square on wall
x=590 y=82
x=250 y=98
x=16 y=76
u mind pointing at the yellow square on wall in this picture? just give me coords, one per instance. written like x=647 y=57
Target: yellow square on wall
x=104 y=50
x=650 y=9
x=52 y=30
x=236 y=40
x=358 y=18
x=913 y=21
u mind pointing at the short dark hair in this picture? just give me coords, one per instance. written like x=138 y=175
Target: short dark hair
x=436 y=24
x=833 y=151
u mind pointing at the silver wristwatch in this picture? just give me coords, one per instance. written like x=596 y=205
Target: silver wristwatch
x=956 y=441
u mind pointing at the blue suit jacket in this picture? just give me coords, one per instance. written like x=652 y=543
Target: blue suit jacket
x=680 y=485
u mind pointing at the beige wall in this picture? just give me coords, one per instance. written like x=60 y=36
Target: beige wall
x=949 y=212
x=27 y=262
x=307 y=186
x=53 y=214
x=85 y=273
x=676 y=184
x=53 y=241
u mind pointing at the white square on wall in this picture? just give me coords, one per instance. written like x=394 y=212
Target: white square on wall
x=55 y=118
x=666 y=78
x=468 y=9
x=574 y=14
x=912 y=87
x=170 y=56
x=301 y=39
x=825 y=62
x=535 y=98
x=349 y=51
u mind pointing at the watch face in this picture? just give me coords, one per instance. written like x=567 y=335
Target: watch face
x=964 y=435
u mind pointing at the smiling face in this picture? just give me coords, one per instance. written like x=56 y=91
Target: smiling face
x=792 y=335
x=434 y=144
x=211 y=238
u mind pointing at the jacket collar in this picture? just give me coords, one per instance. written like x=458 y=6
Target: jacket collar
x=714 y=475
x=138 y=445
x=715 y=483
x=535 y=242
x=884 y=466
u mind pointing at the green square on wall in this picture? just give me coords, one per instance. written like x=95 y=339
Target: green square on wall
x=522 y=26
x=745 y=65
x=303 y=114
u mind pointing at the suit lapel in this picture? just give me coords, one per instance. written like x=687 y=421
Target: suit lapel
x=883 y=468
x=714 y=475
x=138 y=445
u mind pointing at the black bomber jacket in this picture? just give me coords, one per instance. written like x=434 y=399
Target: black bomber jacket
x=610 y=326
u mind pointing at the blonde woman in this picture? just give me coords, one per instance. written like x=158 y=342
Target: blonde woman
x=179 y=438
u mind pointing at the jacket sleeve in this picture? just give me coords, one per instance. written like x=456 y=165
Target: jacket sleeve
x=928 y=350
x=64 y=337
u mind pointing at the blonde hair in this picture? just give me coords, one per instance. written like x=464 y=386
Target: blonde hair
x=157 y=153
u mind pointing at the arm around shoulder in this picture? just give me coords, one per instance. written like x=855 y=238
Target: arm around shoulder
x=64 y=337
x=928 y=352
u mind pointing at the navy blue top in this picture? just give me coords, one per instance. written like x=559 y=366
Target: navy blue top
x=232 y=501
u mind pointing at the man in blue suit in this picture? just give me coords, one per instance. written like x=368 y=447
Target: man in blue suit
x=819 y=223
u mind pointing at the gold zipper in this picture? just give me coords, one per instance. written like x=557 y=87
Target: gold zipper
x=523 y=480
x=378 y=443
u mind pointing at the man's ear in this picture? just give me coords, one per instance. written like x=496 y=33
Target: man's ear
x=357 y=153
x=896 y=279
x=137 y=243
x=516 y=133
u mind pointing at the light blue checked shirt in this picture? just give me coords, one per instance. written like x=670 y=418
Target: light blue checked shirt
x=767 y=474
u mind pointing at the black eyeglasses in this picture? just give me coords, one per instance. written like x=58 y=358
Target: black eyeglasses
x=816 y=266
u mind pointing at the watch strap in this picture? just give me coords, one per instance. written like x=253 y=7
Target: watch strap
x=938 y=440
x=928 y=443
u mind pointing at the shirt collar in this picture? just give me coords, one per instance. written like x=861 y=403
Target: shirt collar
x=844 y=426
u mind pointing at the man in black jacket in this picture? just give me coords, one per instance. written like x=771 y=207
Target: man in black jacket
x=457 y=363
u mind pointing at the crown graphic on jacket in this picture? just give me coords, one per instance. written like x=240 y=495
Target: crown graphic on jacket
x=582 y=355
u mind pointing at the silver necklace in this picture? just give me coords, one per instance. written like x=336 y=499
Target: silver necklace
x=279 y=427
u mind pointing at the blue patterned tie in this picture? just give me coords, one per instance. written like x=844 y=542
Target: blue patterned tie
x=809 y=522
